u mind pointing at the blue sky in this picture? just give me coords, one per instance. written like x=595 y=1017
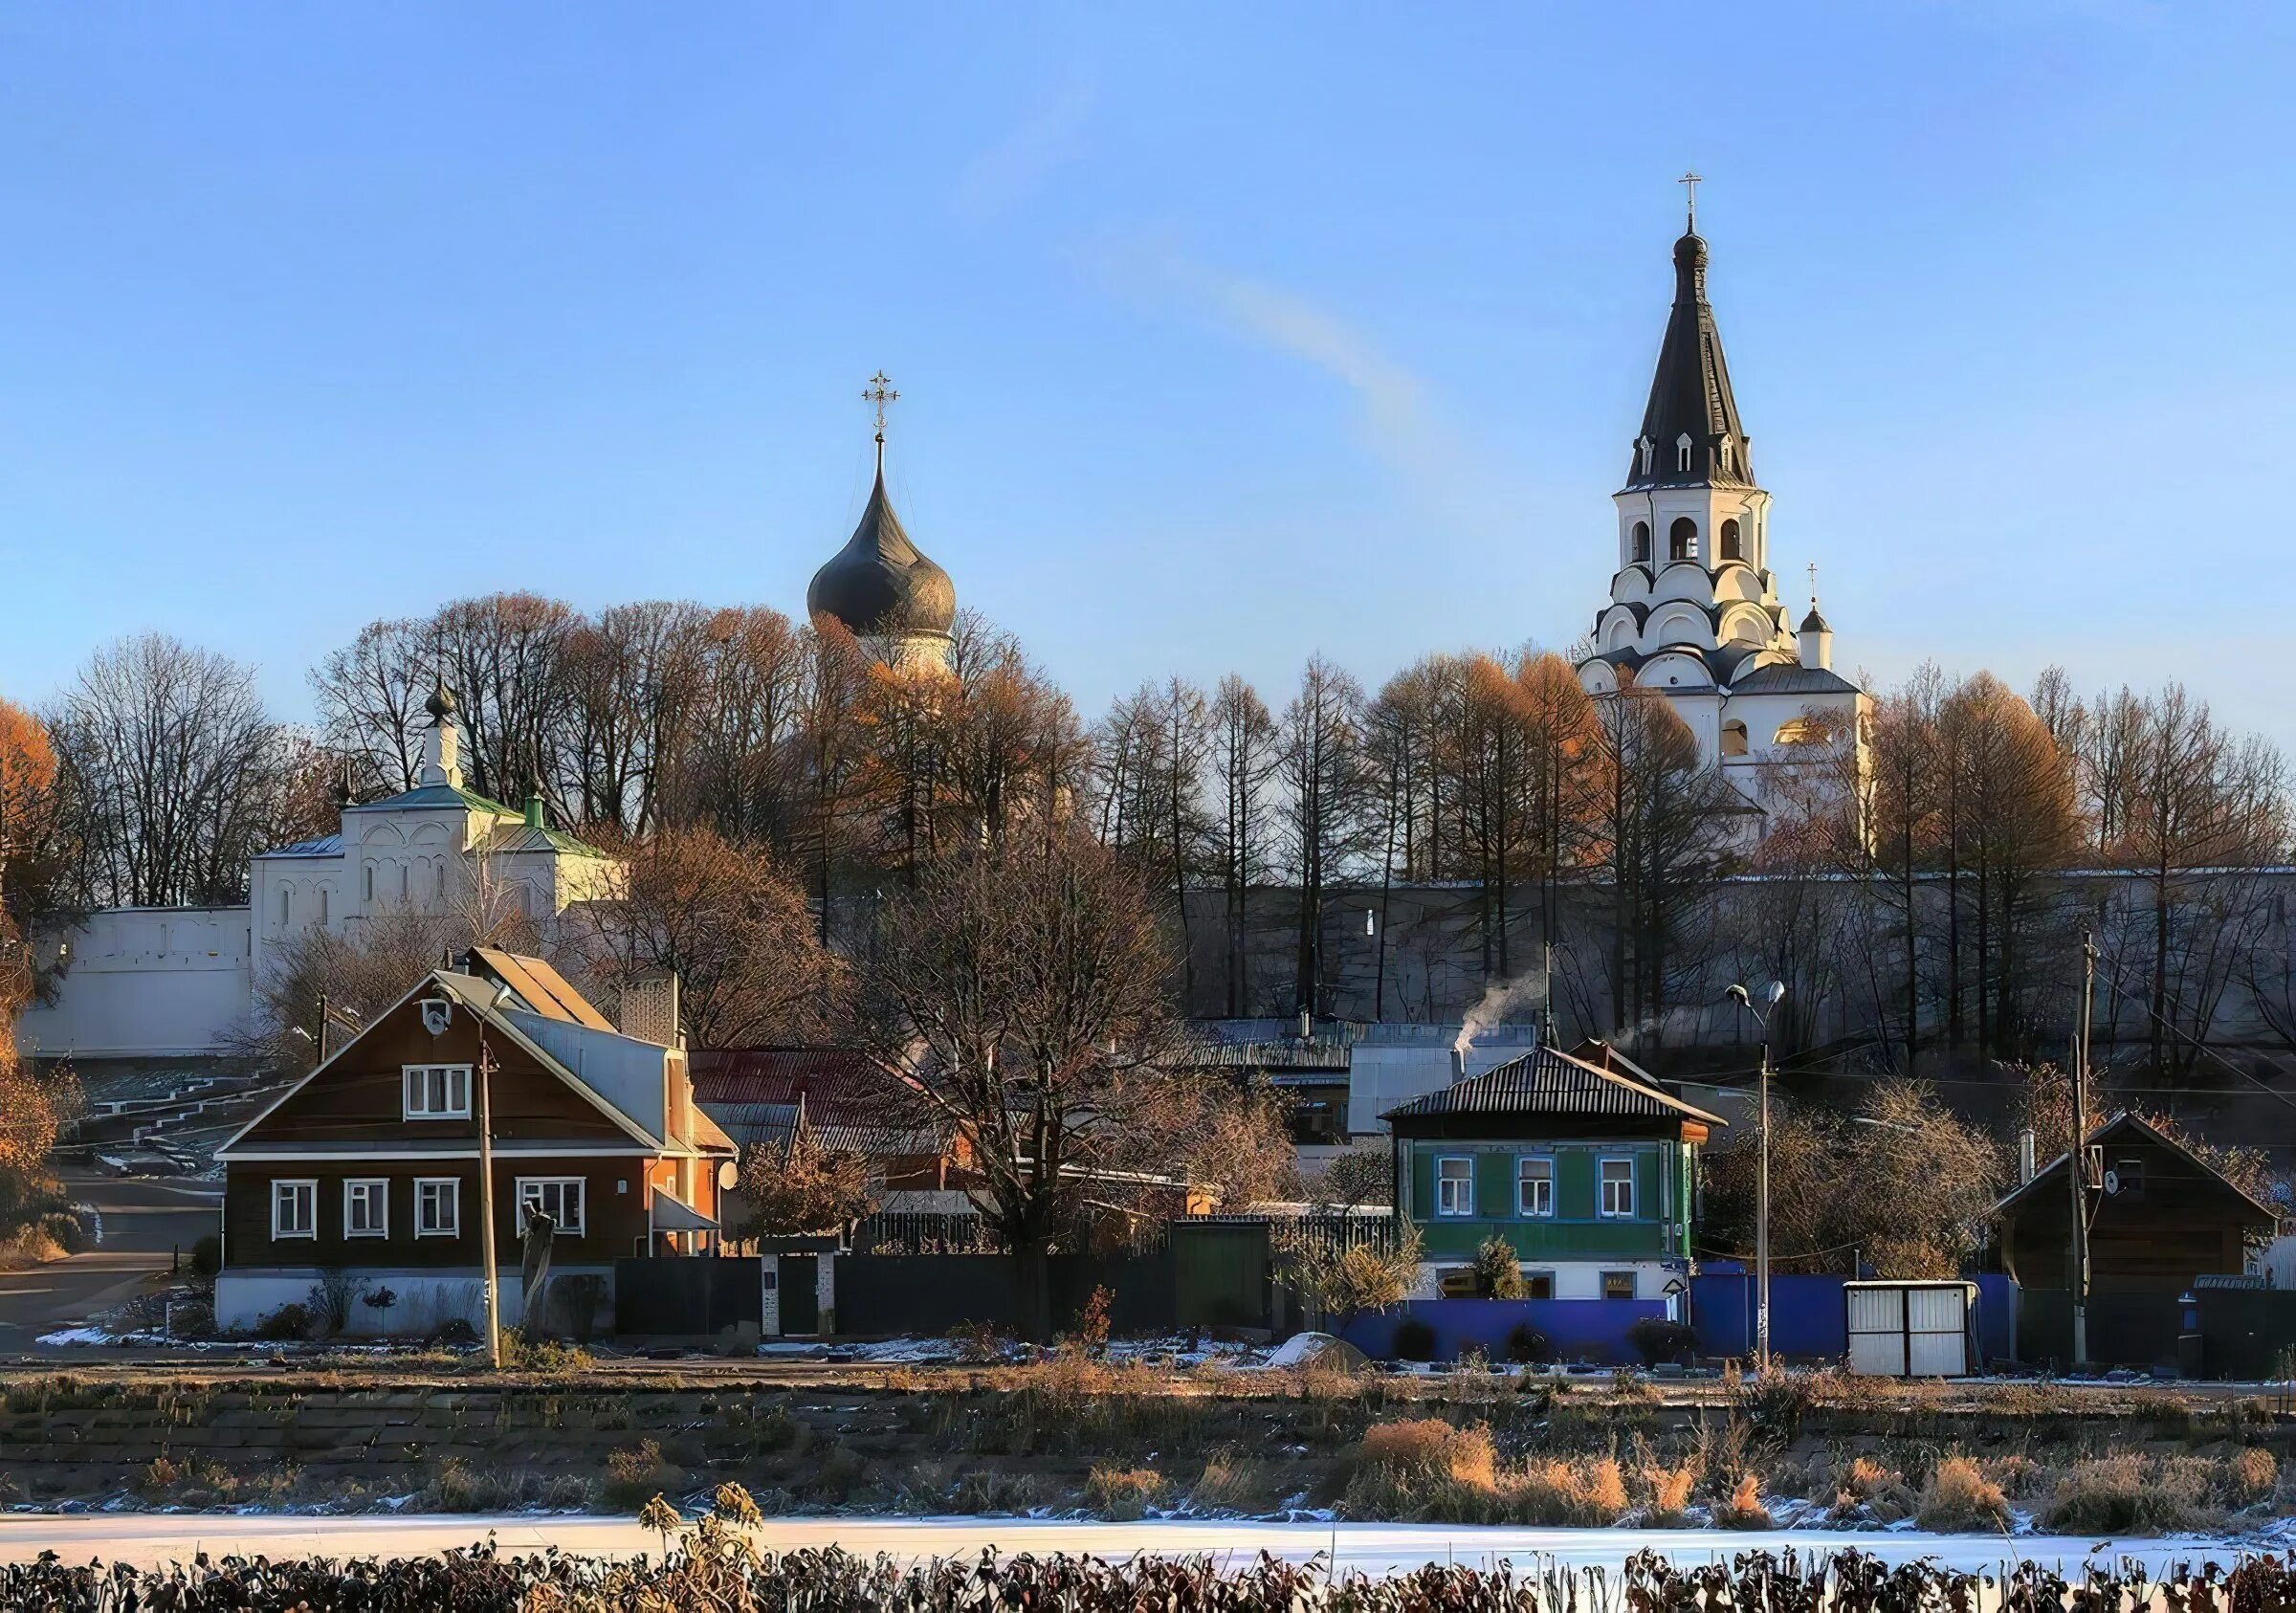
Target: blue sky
x=1224 y=333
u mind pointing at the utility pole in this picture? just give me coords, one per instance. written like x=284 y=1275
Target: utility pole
x=486 y=1201
x=2077 y=1157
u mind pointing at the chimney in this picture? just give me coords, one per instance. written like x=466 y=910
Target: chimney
x=1307 y=1025
x=1458 y=1064
x=2024 y=1155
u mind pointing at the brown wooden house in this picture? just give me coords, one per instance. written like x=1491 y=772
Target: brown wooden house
x=366 y=1172
x=2162 y=1217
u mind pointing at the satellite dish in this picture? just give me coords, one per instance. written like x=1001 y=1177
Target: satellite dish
x=2112 y=1181
x=728 y=1175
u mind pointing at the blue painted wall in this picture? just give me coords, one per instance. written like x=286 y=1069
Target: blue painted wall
x=1580 y=1330
x=1808 y=1319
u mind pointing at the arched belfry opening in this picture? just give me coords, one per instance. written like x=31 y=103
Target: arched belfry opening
x=1682 y=540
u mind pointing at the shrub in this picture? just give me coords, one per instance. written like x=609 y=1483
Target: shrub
x=1527 y=1346
x=454 y=1330
x=2126 y=1495
x=1744 y=1510
x=206 y=1255
x=976 y=1343
x=290 y=1320
x=1124 y=1493
x=2251 y=1475
x=1959 y=1497
x=1770 y=1403
x=1414 y=1340
x=1874 y=1489
x=546 y=1356
x=637 y=1471
x=1657 y=1339
x=1498 y=1273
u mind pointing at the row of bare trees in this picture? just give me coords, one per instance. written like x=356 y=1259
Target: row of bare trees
x=1927 y=896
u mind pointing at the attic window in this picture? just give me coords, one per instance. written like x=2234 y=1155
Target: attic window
x=437 y=1092
x=1682 y=451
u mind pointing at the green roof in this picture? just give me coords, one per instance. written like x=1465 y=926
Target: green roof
x=435 y=795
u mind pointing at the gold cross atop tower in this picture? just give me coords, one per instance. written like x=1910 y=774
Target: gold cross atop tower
x=1813 y=584
x=878 y=394
x=1689 y=182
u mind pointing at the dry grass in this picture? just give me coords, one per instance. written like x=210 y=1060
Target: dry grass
x=1873 y=1491
x=1671 y=1491
x=1958 y=1497
x=1123 y=1493
x=1743 y=1509
x=29 y=1245
x=2130 y=1494
x=1232 y=1483
x=636 y=1473
x=1567 y=1494
x=2251 y=1476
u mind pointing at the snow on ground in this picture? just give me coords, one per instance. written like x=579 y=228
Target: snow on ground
x=152 y=1539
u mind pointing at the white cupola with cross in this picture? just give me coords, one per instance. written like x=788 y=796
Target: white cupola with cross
x=1693 y=610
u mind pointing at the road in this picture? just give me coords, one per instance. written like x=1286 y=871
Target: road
x=144 y=1222
x=147 y=1538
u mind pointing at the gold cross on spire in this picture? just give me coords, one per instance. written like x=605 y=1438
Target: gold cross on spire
x=1813 y=584
x=1689 y=182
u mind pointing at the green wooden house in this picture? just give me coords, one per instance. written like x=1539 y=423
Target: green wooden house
x=1579 y=1161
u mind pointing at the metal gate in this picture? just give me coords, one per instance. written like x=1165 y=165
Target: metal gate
x=687 y=1295
x=1220 y=1273
x=1910 y=1329
x=800 y=1293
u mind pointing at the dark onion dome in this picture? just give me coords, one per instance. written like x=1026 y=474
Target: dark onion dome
x=880 y=585
x=441 y=703
x=1690 y=394
x=1814 y=623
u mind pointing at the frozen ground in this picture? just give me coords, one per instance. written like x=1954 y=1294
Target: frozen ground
x=147 y=1539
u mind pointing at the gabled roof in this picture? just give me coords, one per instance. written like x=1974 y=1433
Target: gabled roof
x=1548 y=1082
x=437 y=795
x=620 y=1076
x=2124 y=1124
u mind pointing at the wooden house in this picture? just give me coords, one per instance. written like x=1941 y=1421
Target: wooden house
x=1582 y=1164
x=366 y=1173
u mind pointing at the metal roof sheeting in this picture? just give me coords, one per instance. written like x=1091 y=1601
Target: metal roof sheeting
x=1547 y=1082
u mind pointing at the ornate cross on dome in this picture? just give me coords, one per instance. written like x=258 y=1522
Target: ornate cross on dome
x=1689 y=182
x=1813 y=584
x=878 y=394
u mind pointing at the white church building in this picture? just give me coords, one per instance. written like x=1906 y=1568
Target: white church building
x=176 y=981
x=1694 y=611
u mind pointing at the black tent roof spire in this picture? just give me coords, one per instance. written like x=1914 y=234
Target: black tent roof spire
x=1690 y=396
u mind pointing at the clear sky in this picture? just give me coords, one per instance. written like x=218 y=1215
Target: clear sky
x=1225 y=333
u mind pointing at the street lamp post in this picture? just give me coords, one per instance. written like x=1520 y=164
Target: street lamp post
x=1744 y=999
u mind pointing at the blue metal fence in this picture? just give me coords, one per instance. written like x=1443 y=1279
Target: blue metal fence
x=1577 y=1330
x=1808 y=1319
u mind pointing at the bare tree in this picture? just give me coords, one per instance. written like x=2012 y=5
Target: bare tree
x=1021 y=999
x=727 y=922
x=181 y=774
x=1243 y=756
x=1319 y=761
x=370 y=696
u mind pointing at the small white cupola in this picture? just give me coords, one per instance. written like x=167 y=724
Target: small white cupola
x=1815 y=647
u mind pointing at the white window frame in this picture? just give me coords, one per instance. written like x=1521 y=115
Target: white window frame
x=308 y=1186
x=424 y=1187
x=1467 y=1207
x=537 y=1183
x=409 y=1074
x=381 y=1199
x=1682 y=451
x=1521 y=1181
x=1602 y=1186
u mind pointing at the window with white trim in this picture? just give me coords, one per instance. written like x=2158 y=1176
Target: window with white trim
x=560 y=1197
x=1682 y=451
x=1534 y=1185
x=1618 y=1187
x=1454 y=1186
x=437 y=1207
x=437 y=1092
x=295 y=1209
x=366 y=1208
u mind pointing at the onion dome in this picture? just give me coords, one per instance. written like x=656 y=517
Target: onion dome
x=880 y=585
x=1814 y=623
x=441 y=703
